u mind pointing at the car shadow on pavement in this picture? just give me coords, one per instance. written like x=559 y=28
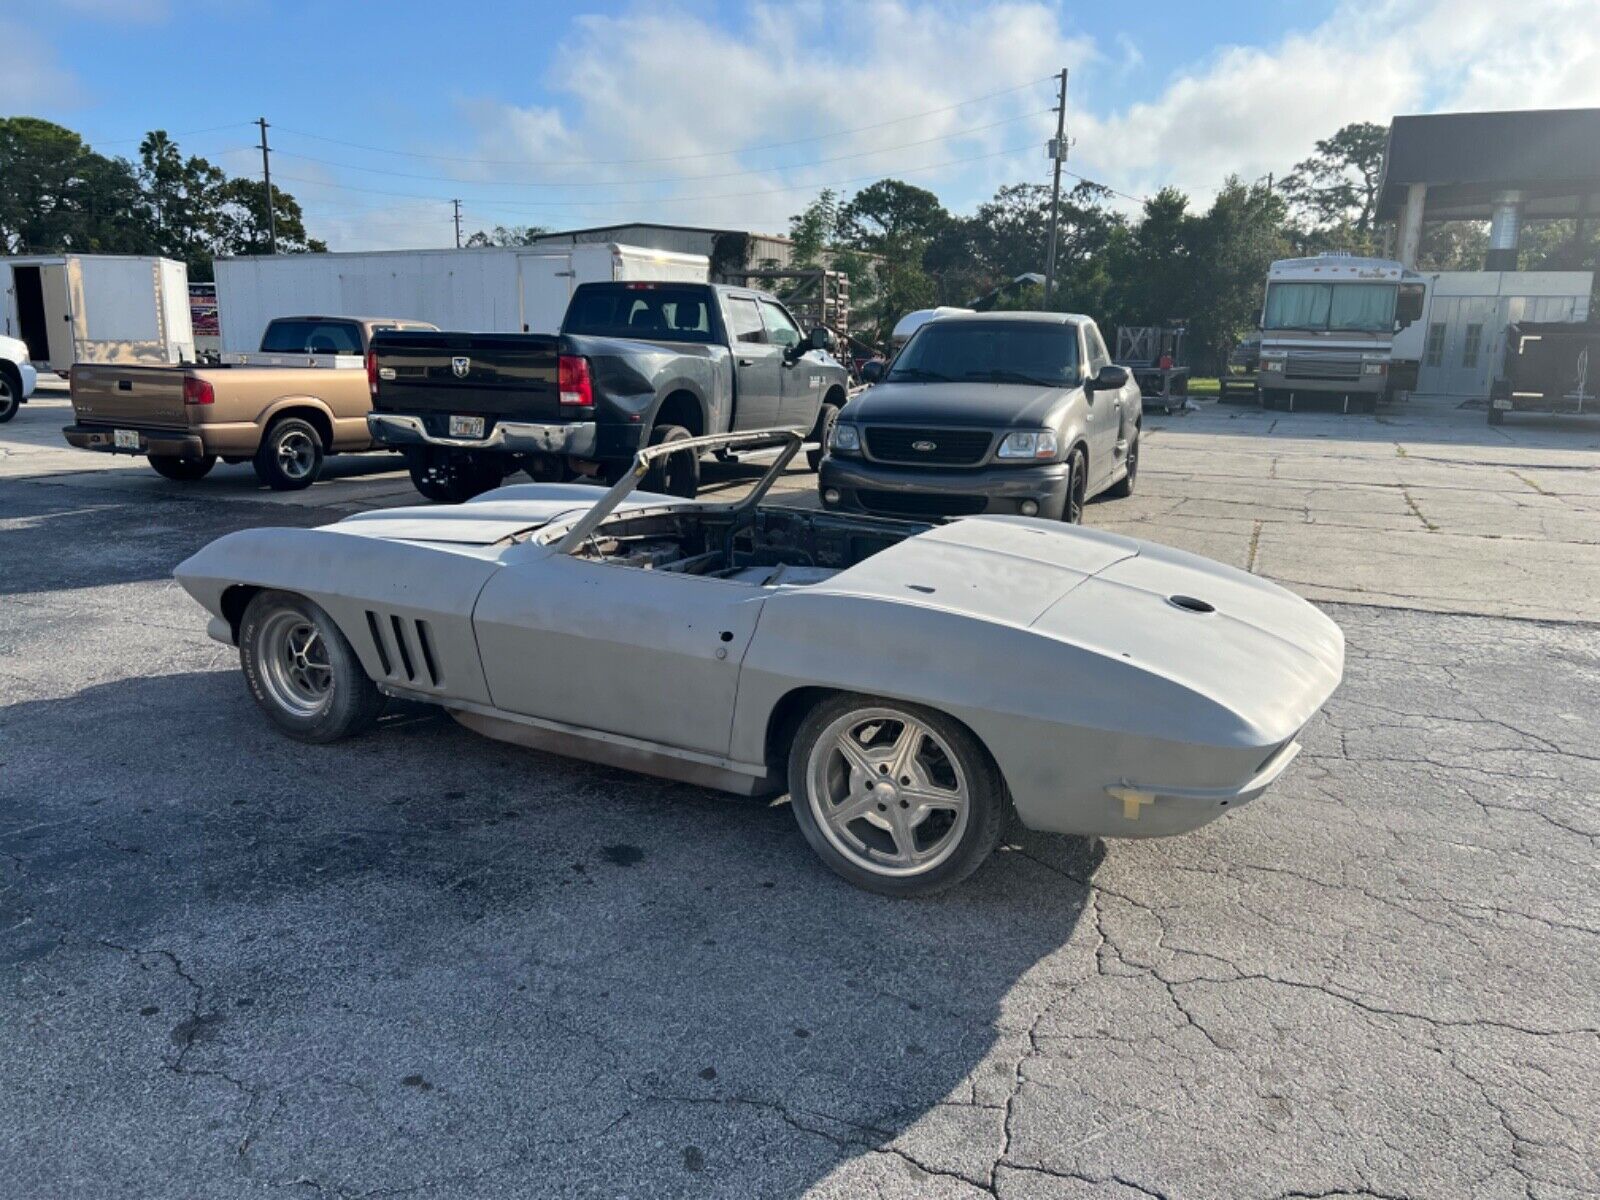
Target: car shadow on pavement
x=424 y=960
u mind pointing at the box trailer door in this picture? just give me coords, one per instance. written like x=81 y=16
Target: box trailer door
x=545 y=282
x=57 y=308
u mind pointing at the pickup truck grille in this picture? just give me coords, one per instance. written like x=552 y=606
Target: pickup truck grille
x=951 y=447
x=920 y=504
x=1322 y=366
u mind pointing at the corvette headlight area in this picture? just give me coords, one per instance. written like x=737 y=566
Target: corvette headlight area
x=1032 y=444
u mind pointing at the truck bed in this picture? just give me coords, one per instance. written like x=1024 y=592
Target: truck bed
x=492 y=375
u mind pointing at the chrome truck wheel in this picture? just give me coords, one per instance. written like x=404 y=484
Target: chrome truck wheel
x=896 y=798
x=302 y=671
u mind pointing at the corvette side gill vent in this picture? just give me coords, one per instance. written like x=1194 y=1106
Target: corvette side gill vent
x=405 y=648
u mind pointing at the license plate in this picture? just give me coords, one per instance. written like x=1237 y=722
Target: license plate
x=1501 y=402
x=125 y=439
x=466 y=427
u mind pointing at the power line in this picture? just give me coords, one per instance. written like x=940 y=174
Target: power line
x=186 y=133
x=673 y=178
x=618 y=162
x=803 y=187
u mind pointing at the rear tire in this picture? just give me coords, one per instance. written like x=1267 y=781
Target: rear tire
x=455 y=479
x=302 y=671
x=184 y=470
x=679 y=474
x=895 y=745
x=290 y=455
x=824 y=431
x=1123 y=488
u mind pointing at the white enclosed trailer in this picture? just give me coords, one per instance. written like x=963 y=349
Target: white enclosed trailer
x=98 y=308
x=510 y=289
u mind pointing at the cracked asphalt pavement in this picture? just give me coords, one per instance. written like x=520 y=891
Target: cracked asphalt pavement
x=426 y=964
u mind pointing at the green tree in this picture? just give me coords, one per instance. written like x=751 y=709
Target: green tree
x=57 y=194
x=243 y=225
x=812 y=229
x=890 y=214
x=508 y=235
x=1334 y=192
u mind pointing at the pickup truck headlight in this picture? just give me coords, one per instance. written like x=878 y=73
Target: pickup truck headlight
x=845 y=437
x=1028 y=443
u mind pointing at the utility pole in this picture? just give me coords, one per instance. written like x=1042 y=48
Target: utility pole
x=1058 y=151
x=266 y=176
x=457 y=203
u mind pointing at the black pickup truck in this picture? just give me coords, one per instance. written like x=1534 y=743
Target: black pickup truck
x=635 y=364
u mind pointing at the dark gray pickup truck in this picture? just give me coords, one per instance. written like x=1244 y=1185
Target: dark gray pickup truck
x=635 y=364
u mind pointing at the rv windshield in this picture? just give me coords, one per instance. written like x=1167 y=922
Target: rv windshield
x=1350 y=307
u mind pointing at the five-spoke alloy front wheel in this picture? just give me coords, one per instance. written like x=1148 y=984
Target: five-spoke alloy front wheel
x=894 y=797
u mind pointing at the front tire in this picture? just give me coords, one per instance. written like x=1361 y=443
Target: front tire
x=10 y=396
x=677 y=474
x=184 y=470
x=824 y=431
x=290 y=455
x=302 y=671
x=1123 y=488
x=896 y=798
x=1077 y=484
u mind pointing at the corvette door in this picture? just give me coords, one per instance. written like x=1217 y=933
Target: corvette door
x=647 y=654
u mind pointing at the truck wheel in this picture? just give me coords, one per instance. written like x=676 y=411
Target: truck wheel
x=455 y=478
x=10 y=395
x=1496 y=416
x=290 y=456
x=184 y=470
x=678 y=474
x=824 y=431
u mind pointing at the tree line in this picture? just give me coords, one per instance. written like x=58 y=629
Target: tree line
x=1172 y=261
x=57 y=194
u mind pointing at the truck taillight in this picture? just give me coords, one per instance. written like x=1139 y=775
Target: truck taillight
x=572 y=378
x=198 y=391
x=372 y=371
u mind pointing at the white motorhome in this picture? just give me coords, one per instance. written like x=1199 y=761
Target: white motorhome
x=97 y=308
x=494 y=289
x=1328 y=329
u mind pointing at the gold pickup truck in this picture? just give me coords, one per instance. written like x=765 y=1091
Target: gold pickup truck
x=304 y=395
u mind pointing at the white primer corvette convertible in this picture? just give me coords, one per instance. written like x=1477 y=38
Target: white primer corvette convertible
x=909 y=685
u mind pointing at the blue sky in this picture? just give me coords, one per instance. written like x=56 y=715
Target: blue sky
x=567 y=115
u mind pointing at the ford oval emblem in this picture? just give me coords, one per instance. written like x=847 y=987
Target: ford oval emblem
x=461 y=366
x=925 y=447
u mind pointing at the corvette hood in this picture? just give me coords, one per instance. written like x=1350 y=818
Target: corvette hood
x=1249 y=645
x=1005 y=569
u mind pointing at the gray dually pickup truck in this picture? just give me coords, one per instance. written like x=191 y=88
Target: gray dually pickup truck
x=635 y=364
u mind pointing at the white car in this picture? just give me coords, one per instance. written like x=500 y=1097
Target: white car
x=910 y=686
x=17 y=376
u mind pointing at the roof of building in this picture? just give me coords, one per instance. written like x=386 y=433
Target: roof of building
x=1466 y=159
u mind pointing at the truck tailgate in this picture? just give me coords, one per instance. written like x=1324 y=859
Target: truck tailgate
x=487 y=374
x=139 y=397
